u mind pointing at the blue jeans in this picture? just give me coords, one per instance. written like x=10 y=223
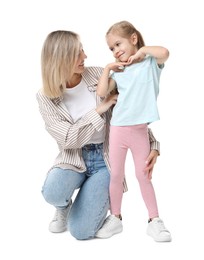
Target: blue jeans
x=91 y=204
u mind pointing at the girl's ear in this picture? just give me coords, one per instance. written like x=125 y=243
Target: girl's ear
x=134 y=38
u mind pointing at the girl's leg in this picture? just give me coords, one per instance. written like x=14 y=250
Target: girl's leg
x=117 y=153
x=140 y=149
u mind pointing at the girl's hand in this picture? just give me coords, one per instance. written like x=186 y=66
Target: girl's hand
x=116 y=66
x=137 y=57
x=150 y=162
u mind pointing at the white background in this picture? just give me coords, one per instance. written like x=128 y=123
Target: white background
x=27 y=151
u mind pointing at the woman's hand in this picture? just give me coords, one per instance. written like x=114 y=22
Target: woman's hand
x=106 y=104
x=150 y=162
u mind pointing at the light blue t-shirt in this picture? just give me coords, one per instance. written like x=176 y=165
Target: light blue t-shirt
x=138 y=87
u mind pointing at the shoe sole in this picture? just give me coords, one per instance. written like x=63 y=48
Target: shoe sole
x=108 y=236
x=57 y=230
x=168 y=239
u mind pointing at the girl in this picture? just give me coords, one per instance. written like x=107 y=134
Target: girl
x=136 y=77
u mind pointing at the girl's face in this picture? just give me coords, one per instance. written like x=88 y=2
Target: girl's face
x=122 y=48
x=79 y=67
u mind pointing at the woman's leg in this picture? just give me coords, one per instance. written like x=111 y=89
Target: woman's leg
x=60 y=185
x=91 y=205
x=57 y=190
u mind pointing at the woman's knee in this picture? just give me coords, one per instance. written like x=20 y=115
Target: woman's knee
x=80 y=231
x=53 y=196
x=59 y=186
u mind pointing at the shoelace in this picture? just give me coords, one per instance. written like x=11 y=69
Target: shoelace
x=160 y=226
x=61 y=214
x=108 y=222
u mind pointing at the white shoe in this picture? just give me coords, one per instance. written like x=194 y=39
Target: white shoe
x=158 y=231
x=59 y=222
x=112 y=225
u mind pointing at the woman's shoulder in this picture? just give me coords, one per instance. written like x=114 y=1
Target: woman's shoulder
x=43 y=98
x=39 y=93
x=92 y=74
x=94 y=70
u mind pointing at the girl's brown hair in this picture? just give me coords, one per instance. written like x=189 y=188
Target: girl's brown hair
x=126 y=29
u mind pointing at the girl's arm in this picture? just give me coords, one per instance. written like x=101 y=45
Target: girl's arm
x=105 y=83
x=160 y=53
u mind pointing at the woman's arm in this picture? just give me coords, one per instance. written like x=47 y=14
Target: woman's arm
x=154 y=153
x=70 y=135
x=154 y=144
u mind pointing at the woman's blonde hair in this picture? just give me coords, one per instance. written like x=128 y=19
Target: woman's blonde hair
x=126 y=29
x=58 y=58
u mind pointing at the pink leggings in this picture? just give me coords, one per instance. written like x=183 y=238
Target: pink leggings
x=137 y=140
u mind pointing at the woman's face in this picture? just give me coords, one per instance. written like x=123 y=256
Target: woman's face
x=79 y=68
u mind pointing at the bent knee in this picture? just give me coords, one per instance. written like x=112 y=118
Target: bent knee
x=81 y=232
x=53 y=198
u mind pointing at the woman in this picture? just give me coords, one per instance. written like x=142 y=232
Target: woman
x=78 y=120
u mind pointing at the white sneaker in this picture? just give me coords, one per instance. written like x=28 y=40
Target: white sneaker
x=112 y=225
x=158 y=231
x=59 y=222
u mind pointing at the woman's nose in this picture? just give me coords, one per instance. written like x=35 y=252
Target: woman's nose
x=85 y=56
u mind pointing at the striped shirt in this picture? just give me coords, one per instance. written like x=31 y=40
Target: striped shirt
x=70 y=136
